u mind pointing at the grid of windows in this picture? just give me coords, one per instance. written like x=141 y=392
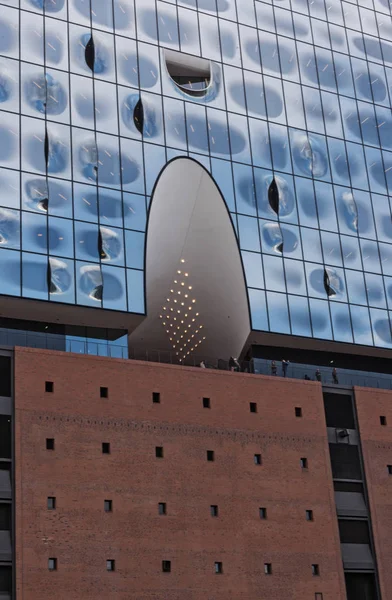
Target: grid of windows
x=293 y=123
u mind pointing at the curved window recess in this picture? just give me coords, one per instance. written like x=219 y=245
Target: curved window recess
x=109 y=244
x=91 y=281
x=138 y=116
x=90 y=54
x=51 y=286
x=101 y=252
x=327 y=285
x=190 y=74
x=273 y=196
x=44 y=204
x=46 y=147
x=97 y=293
x=351 y=210
x=58 y=276
x=272 y=237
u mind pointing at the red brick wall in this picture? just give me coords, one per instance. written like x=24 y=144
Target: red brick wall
x=377 y=454
x=81 y=536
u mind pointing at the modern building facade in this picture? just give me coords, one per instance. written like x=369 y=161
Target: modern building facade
x=286 y=106
x=187 y=180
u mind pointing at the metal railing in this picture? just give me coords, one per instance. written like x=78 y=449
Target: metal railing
x=346 y=377
x=257 y=366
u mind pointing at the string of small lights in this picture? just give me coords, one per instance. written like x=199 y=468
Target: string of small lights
x=179 y=316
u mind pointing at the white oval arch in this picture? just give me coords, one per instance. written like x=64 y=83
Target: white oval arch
x=190 y=230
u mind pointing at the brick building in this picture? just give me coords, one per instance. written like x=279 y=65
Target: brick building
x=152 y=481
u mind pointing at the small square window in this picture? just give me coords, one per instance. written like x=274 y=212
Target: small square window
x=110 y=565
x=383 y=420
x=166 y=566
x=253 y=407
x=156 y=397
x=263 y=512
x=52 y=564
x=51 y=503
x=49 y=387
x=218 y=568
x=105 y=448
x=159 y=451
x=304 y=463
x=210 y=455
x=257 y=459
x=50 y=443
x=309 y=515
x=214 y=510
x=161 y=508
x=268 y=568
x=389 y=469
x=206 y=403
x=104 y=392
x=315 y=570
x=298 y=411
x=108 y=505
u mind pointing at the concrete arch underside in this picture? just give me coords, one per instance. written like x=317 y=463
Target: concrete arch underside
x=195 y=285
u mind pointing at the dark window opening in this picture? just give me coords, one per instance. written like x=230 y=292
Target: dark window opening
x=90 y=54
x=161 y=508
x=309 y=515
x=383 y=420
x=273 y=196
x=303 y=463
x=253 y=407
x=110 y=565
x=360 y=586
x=390 y=469
x=5 y=436
x=339 y=411
x=330 y=291
x=298 y=411
x=214 y=510
x=52 y=564
x=218 y=568
x=108 y=505
x=210 y=455
x=51 y=503
x=166 y=566
x=315 y=570
x=268 y=568
x=138 y=116
x=159 y=452
x=105 y=448
x=345 y=461
x=156 y=397
x=318 y=596
x=49 y=387
x=206 y=403
x=46 y=148
x=5 y=517
x=354 y=532
x=5 y=579
x=257 y=459
x=262 y=512
x=5 y=376
x=50 y=443
x=104 y=391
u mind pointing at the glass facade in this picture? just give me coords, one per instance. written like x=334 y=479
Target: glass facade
x=290 y=111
